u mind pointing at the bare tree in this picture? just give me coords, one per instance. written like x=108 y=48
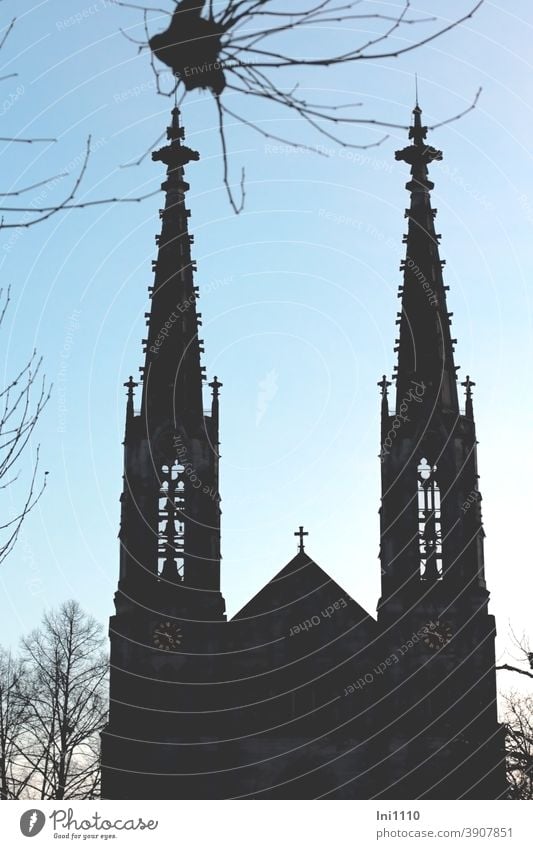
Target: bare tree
x=518 y=720
x=247 y=47
x=21 y=403
x=66 y=671
x=519 y=744
x=13 y=718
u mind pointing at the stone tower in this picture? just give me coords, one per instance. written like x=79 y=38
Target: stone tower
x=169 y=585
x=444 y=740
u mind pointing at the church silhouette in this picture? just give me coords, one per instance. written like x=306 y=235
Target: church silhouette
x=303 y=694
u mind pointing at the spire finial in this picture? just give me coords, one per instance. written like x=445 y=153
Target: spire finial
x=469 y=407
x=416 y=91
x=384 y=385
x=301 y=533
x=417 y=132
x=216 y=386
x=468 y=384
x=176 y=154
x=419 y=154
x=130 y=386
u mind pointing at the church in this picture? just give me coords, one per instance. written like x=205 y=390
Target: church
x=303 y=694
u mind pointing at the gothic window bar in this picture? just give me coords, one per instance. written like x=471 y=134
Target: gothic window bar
x=171 y=522
x=429 y=522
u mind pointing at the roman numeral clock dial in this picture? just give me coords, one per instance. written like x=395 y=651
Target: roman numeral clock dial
x=167 y=636
x=438 y=635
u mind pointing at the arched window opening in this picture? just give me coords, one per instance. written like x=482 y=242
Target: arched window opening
x=429 y=522
x=171 y=530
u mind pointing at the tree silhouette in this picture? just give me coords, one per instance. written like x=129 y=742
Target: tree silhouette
x=248 y=47
x=53 y=705
x=13 y=718
x=21 y=404
x=519 y=744
x=518 y=721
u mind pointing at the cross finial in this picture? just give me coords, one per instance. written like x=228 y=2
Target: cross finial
x=469 y=407
x=468 y=384
x=384 y=384
x=215 y=386
x=130 y=386
x=301 y=533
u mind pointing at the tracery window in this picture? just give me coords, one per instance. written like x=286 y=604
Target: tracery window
x=429 y=522
x=171 y=522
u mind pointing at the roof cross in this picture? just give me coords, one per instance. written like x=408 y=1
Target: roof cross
x=301 y=533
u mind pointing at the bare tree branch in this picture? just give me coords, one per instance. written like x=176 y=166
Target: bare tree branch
x=515 y=669
x=37 y=213
x=19 y=414
x=236 y=206
x=239 y=48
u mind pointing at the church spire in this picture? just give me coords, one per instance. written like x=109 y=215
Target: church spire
x=428 y=448
x=170 y=528
x=172 y=372
x=425 y=347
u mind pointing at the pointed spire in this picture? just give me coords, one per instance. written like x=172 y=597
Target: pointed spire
x=425 y=346
x=170 y=518
x=429 y=465
x=173 y=375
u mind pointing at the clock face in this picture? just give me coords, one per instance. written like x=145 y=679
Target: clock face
x=167 y=636
x=438 y=635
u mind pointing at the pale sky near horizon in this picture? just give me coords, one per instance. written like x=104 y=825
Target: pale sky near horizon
x=299 y=297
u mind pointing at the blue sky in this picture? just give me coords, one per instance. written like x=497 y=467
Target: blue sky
x=299 y=298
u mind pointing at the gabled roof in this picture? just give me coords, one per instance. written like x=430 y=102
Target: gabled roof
x=301 y=588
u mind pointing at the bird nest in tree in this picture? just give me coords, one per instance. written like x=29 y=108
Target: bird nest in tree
x=191 y=46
